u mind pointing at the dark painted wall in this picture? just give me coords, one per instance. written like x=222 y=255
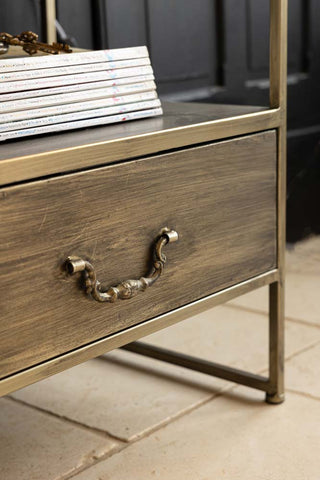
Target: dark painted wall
x=209 y=50
x=19 y=15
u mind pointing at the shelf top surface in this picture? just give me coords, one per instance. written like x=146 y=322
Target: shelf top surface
x=182 y=124
x=176 y=115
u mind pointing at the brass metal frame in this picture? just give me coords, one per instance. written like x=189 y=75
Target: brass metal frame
x=30 y=167
x=131 y=334
x=50 y=15
x=273 y=385
x=278 y=99
x=203 y=366
x=275 y=117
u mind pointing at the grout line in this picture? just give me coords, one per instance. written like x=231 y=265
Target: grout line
x=105 y=433
x=302 y=350
x=265 y=370
x=303 y=274
x=290 y=357
x=246 y=309
x=149 y=432
x=228 y=388
x=93 y=462
x=303 y=322
x=63 y=418
x=144 y=434
x=303 y=394
x=122 y=444
x=265 y=313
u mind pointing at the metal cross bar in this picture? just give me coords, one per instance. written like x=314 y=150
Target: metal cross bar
x=203 y=366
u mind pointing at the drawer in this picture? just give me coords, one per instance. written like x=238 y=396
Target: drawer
x=220 y=198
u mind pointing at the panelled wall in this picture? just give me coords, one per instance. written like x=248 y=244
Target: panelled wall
x=181 y=36
x=203 y=50
x=19 y=15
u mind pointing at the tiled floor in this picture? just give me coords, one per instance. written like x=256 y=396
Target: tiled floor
x=125 y=417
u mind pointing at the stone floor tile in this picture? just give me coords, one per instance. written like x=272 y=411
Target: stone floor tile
x=302 y=302
x=128 y=395
x=255 y=301
x=302 y=373
x=125 y=395
x=37 y=446
x=234 y=437
x=232 y=336
x=222 y=334
x=302 y=284
x=302 y=297
x=304 y=257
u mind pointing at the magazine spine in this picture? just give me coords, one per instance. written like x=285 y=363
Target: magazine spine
x=77 y=107
x=71 y=117
x=81 y=58
x=4 y=97
x=18 y=86
x=73 y=69
x=81 y=124
x=60 y=99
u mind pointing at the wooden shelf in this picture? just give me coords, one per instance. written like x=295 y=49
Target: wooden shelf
x=182 y=124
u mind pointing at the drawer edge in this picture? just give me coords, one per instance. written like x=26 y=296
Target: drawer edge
x=116 y=340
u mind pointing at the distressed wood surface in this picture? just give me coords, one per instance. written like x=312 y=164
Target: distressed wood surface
x=221 y=198
x=106 y=344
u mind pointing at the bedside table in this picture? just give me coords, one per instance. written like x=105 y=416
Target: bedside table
x=110 y=203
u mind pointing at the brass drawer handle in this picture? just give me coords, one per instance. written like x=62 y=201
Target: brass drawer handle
x=128 y=288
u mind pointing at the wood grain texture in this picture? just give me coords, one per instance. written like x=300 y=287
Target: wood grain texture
x=131 y=334
x=221 y=198
x=180 y=126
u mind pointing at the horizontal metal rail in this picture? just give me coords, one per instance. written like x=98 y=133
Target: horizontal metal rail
x=203 y=366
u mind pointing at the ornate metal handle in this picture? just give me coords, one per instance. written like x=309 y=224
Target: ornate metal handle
x=29 y=42
x=128 y=288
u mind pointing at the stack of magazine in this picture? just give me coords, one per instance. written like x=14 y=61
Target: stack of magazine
x=46 y=94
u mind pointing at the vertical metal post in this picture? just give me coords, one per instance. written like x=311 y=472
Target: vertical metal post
x=50 y=20
x=278 y=99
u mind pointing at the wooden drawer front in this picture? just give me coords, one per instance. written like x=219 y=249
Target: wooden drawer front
x=221 y=199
